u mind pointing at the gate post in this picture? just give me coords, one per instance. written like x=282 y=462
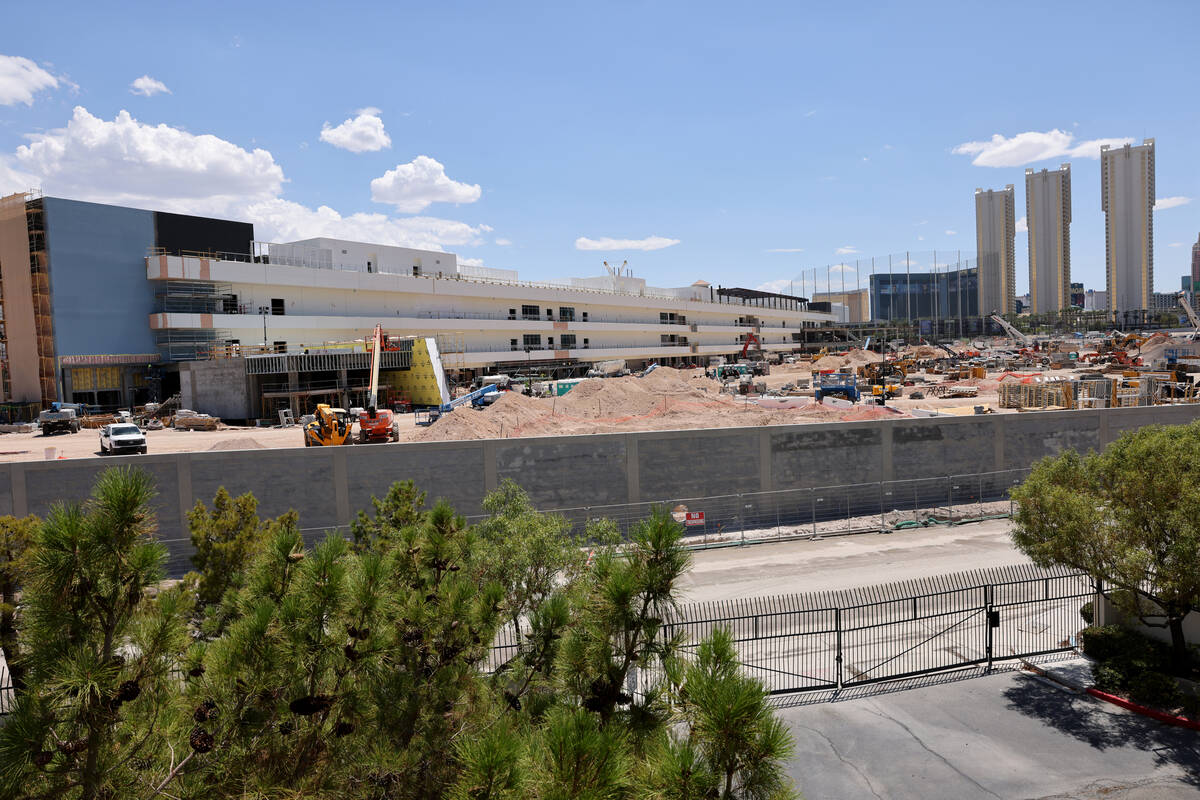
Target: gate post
x=837 y=625
x=987 y=606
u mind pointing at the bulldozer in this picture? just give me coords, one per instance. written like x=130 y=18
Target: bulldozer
x=331 y=427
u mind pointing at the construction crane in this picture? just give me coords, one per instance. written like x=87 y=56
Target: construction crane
x=1011 y=330
x=377 y=424
x=1191 y=315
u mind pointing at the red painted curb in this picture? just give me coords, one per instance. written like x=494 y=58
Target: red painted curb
x=1169 y=719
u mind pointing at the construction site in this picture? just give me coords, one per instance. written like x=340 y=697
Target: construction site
x=408 y=393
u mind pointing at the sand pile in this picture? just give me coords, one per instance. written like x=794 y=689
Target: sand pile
x=510 y=413
x=238 y=443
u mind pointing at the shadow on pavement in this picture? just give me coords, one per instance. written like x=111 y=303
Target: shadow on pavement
x=1102 y=726
x=883 y=687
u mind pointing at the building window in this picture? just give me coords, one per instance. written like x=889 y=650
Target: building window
x=566 y=314
x=532 y=340
x=566 y=341
x=512 y=313
x=585 y=316
x=549 y=313
x=229 y=304
x=550 y=342
x=416 y=271
x=530 y=312
x=585 y=341
x=512 y=343
x=278 y=307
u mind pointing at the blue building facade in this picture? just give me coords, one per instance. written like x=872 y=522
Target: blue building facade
x=925 y=295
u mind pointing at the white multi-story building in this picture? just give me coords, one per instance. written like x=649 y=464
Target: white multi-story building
x=995 y=242
x=302 y=295
x=1048 y=213
x=1127 y=199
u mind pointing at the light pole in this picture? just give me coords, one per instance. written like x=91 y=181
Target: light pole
x=263 y=311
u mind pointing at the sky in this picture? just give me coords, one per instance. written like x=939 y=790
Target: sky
x=743 y=144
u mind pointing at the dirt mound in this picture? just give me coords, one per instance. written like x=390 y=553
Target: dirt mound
x=238 y=443
x=511 y=412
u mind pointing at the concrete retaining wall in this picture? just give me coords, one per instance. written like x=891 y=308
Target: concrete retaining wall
x=328 y=486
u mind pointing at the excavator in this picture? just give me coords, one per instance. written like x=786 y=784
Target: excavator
x=377 y=424
x=331 y=427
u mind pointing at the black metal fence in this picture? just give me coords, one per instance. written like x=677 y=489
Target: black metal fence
x=834 y=640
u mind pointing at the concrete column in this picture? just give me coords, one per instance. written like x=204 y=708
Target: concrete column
x=633 y=486
x=766 y=481
x=887 y=469
x=344 y=385
x=1001 y=432
x=183 y=476
x=293 y=401
x=490 y=468
x=1105 y=436
x=20 y=500
x=341 y=485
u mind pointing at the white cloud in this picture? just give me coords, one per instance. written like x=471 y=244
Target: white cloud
x=283 y=220
x=842 y=268
x=362 y=134
x=864 y=158
x=1022 y=225
x=786 y=250
x=147 y=86
x=920 y=238
x=606 y=243
x=20 y=79
x=848 y=250
x=778 y=286
x=951 y=233
x=1164 y=203
x=470 y=262
x=414 y=186
x=503 y=242
x=1031 y=146
x=128 y=162
x=810 y=113
x=1175 y=244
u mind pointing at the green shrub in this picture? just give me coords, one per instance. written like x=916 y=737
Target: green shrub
x=1132 y=651
x=1155 y=689
x=1108 y=678
x=1088 y=612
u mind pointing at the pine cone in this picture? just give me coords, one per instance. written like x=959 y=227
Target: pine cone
x=343 y=729
x=295 y=557
x=201 y=740
x=196 y=672
x=350 y=653
x=312 y=704
x=42 y=757
x=128 y=691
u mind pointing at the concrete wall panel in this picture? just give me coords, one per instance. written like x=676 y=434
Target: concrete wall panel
x=826 y=455
x=451 y=471
x=1030 y=437
x=682 y=464
x=554 y=470
x=300 y=479
x=934 y=448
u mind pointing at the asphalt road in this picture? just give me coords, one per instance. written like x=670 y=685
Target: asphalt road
x=1005 y=735
x=847 y=561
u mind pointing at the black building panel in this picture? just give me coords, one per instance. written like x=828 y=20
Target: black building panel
x=176 y=232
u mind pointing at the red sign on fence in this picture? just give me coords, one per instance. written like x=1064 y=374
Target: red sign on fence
x=694 y=518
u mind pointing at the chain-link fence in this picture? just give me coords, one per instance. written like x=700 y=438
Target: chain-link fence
x=819 y=511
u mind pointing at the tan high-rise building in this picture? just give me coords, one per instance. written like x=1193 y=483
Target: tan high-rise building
x=1048 y=214
x=995 y=242
x=1127 y=199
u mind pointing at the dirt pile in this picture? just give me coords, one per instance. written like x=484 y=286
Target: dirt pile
x=238 y=443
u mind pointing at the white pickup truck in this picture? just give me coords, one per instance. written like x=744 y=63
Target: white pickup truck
x=122 y=437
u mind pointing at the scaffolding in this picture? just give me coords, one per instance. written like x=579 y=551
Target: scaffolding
x=195 y=297
x=39 y=268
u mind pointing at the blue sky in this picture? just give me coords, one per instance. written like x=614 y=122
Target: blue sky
x=517 y=134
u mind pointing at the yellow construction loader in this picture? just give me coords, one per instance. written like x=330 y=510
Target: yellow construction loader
x=331 y=427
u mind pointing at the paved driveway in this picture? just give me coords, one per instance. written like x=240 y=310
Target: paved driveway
x=1005 y=736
